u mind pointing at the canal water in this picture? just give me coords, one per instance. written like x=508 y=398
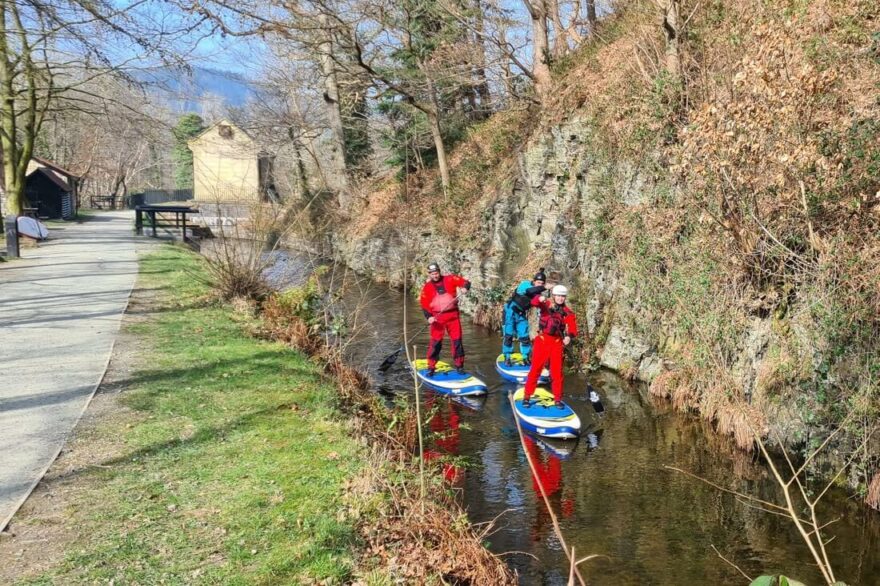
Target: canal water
x=610 y=490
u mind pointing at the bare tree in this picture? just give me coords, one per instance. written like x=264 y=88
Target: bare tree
x=560 y=45
x=540 y=44
x=480 y=61
x=671 y=20
x=334 y=113
x=58 y=47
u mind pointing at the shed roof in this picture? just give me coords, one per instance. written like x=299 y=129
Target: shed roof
x=55 y=167
x=53 y=177
x=45 y=163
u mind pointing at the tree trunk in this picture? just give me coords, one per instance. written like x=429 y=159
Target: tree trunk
x=505 y=60
x=334 y=116
x=671 y=22
x=540 y=45
x=560 y=44
x=441 y=152
x=433 y=114
x=11 y=197
x=118 y=182
x=591 y=15
x=302 y=185
x=480 y=72
x=17 y=140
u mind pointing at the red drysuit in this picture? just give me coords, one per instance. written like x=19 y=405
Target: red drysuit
x=440 y=301
x=556 y=322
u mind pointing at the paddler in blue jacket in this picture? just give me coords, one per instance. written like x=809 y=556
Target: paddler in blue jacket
x=516 y=317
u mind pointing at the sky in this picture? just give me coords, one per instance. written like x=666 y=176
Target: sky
x=235 y=54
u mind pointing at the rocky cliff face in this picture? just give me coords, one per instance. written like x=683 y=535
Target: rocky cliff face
x=721 y=248
x=558 y=188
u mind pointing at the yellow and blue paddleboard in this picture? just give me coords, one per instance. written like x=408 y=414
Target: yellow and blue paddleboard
x=518 y=370
x=447 y=380
x=544 y=418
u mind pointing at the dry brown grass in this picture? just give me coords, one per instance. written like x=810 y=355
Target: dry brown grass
x=663 y=384
x=422 y=541
x=716 y=401
x=873 y=498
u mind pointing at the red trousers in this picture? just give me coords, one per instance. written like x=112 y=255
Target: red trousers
x=450 y=323
x=549 y=472
x=546 y=349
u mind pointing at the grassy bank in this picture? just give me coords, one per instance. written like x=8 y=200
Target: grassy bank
x=232 y=462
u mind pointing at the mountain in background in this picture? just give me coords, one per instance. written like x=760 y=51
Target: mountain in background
x=200 y=89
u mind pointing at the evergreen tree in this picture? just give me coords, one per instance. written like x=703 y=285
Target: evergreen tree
x=188 y=126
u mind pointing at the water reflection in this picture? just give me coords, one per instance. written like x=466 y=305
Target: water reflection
x=548 y=474
x=445 y=436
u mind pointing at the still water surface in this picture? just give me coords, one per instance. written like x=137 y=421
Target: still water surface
x=610 y=489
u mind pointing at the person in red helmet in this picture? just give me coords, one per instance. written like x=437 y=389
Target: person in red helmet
x=439 y=302
x=556 y=328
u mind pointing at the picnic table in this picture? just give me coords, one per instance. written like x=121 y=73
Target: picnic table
x=162 y=213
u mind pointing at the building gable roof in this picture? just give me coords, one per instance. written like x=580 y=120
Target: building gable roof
x=221 y=122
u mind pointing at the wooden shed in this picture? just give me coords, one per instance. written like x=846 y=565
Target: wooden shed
x=50 y=189
x=229 y=166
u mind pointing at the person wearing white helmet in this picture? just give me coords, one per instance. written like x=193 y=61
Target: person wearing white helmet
x=556 y=328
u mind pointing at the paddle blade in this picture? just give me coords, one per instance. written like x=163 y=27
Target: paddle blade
x=595 y=400
x=389 y=362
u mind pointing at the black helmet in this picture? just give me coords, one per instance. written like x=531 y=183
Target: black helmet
x=540 y=276
x=433 y=267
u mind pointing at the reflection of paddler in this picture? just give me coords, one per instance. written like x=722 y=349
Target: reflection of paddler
x=549 y=473
x=445 y=426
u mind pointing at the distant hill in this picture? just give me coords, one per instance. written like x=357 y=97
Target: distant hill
x=192 y=91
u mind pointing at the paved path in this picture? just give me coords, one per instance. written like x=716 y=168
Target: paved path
x=60 y=310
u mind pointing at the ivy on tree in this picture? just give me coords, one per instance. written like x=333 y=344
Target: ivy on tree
x=188 y=126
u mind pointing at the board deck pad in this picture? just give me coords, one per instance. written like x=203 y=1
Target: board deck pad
x=543 y=417
x=448 y=380
x=518 y=371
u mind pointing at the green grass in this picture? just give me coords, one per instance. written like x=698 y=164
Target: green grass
x=234 y=471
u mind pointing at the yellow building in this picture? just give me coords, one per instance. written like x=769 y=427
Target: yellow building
x=229 y=166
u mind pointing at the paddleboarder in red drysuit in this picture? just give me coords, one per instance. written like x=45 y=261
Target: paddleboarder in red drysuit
x=556 y=327
x=439 y=302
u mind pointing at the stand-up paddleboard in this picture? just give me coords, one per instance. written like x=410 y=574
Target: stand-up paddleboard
x=518 y=370
x=32 y=228
x=544 y=418
x=447 y=380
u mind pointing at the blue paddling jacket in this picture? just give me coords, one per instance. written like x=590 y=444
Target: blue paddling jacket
x=521 y=300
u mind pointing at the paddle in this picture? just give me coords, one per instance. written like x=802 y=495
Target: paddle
x=392 y=358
